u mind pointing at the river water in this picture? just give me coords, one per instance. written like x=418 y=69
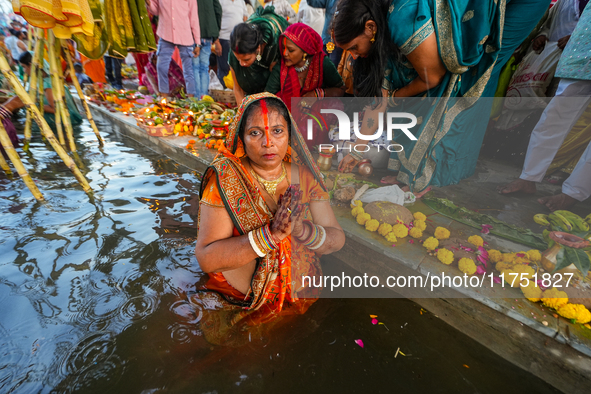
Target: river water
x=92 y=300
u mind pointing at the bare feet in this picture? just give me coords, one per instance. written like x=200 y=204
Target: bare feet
x=518 y=185
x=389 y=180
x=419 y=194
x=559 y=201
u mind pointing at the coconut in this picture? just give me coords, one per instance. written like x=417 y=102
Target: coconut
x=388 y=212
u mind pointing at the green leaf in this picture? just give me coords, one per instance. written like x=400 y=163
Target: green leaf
x=579 y=258
x=475 y=219
x=561 y=260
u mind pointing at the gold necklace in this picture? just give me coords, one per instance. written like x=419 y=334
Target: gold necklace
x=270 y=186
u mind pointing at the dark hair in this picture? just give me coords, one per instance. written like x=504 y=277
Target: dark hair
x=13 y=32
x=25 y=58
x=348 y=23
x=272 y=104
x=245 y=38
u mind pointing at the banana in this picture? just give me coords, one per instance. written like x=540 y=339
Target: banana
x=579 y=225
x=541 y=219
x=560 y=221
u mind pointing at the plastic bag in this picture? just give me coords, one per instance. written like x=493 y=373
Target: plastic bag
x=388 y=193
x=214 y=82
x=532 y=78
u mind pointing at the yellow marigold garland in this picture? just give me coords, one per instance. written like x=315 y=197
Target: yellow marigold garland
x=400 y=230
x=476 y=240
x=534 y=255
x=554 y=298
x=532 y=292
x=495 y=256
x=467 y=266
x=576 y=312
x=356 y=211
x=391 y=237
x=419 y=216
x=420 y=224
x=372 y=225
x=415 y=232
x=431 y=243
x=384 y=229
x=508 y=257
x=362 y=218
x=445 y=256
x=442 y=233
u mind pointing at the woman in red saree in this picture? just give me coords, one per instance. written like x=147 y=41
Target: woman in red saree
x=264 y=220
x=305 y=70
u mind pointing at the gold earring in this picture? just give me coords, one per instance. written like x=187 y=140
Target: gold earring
x=373 y=39
x=304 y=58
x=259 y=56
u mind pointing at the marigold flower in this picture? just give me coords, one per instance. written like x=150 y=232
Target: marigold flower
x=431 y=243
x=356 y=211
x=416 y=232
x=576 y=312
x=442 y=233
x=534 y=255
x=512 y=280
x=391 y=237
x=445 y=256
x=476 y=240
x=384 y=229
x=358 y=203
x=524 y=271
x=508 y=257
x=494 y=255
x=419 y=216
x=372 y=225
x=532 y=292
x=400 y=230
x=502 y=266
x=420 y=224
x=467 y=266
x=362 y=218
x=554 y=298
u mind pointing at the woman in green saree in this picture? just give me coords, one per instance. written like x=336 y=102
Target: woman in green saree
x=255 y=51
x=448 y=50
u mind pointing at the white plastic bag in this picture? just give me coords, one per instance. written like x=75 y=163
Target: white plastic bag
x=532 y=78
x=388 y=193
x=214 y=82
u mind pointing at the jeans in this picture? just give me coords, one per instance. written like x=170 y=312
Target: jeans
x=201 y=68
x=164 y=52
x=223 y=66
x=113 y=72
x=335 y=56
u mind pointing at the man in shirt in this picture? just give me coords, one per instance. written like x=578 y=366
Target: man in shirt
x=210 y=22
x=234 y=13
x=572 y=98
x=178 y=27
x=83 y=79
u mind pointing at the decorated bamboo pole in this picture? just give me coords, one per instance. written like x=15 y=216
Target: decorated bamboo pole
x=41 y=90
x=81 y=94
x=35 y=65
x=45 y=129
x=4 y=165
x=55 y=84
x=65 y=110
x=17 y=163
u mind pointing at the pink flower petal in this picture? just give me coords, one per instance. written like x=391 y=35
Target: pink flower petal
x=539 y=282
x=497 y=279
x=520 y=255
x=411 y=241
x=486 y=228
x=359 y=342
x=480 y=270
x=374 y=321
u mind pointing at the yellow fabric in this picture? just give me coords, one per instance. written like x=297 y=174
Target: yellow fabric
x=296 y=6
x=573 y=146
x=65 y=17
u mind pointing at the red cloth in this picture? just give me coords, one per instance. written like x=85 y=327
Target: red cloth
x=310 y=42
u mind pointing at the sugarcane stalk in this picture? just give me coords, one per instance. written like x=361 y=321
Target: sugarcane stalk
x=41 y=98
x=65 y=110
x=55 y=84
x=5 y=167
x=45 y=129
x=81 y=94
x=18 y=164
x=34 y=83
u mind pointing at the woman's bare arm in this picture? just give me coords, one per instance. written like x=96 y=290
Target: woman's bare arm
x=323 y=215
x=217 y=250
x=238 y=92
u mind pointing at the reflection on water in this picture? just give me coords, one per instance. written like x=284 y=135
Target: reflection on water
x=93 y=300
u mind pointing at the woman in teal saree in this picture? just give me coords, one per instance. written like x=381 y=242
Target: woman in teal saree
x=447 y=50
